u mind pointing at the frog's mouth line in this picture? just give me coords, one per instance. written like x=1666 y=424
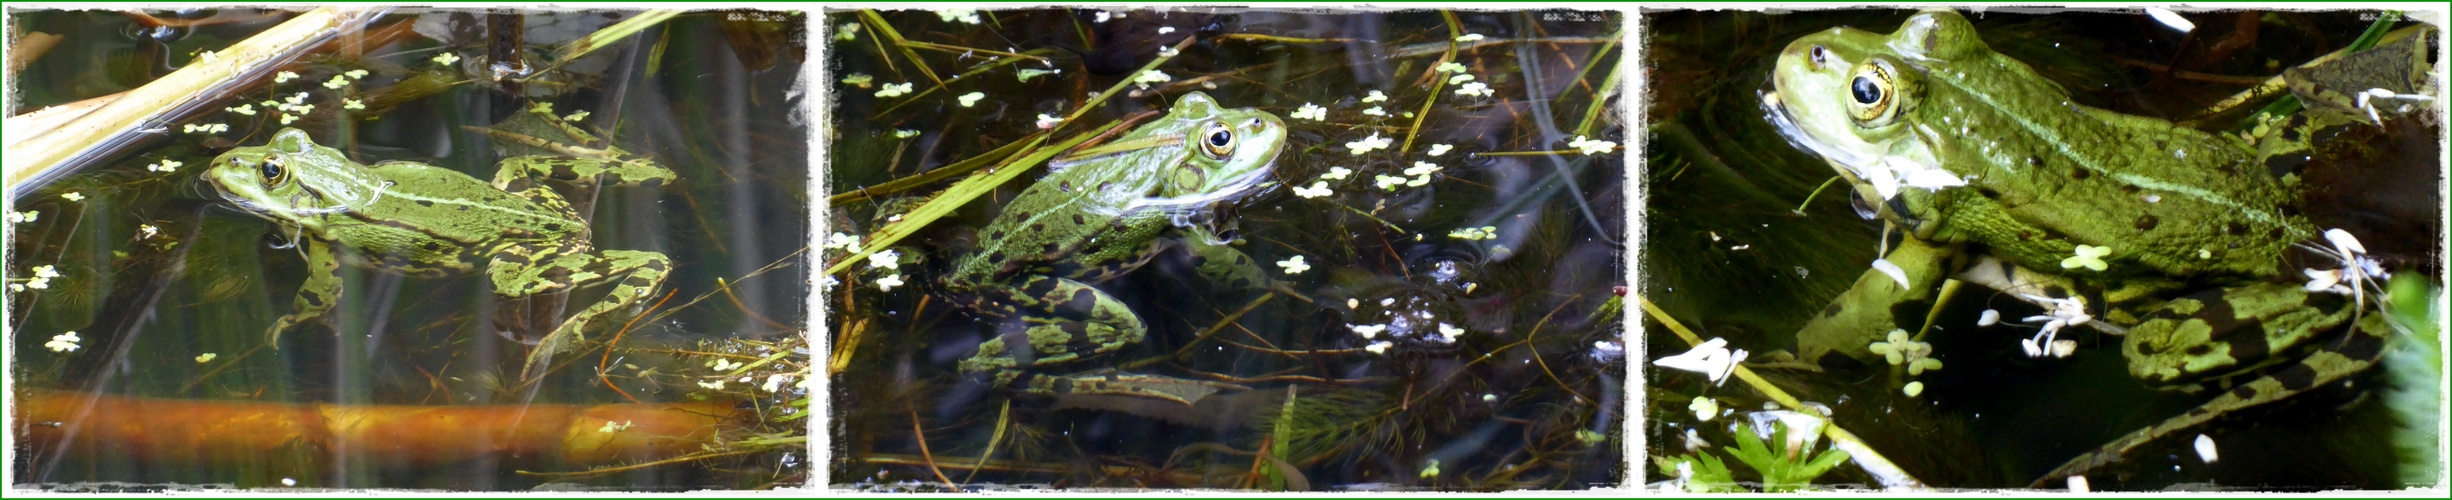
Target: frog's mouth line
x=1246 y=185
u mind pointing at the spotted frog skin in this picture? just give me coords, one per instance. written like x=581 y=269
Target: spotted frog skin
x=1102 y=212
x=421 y=220
x=2197 y=223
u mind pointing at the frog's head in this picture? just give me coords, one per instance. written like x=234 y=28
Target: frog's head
x=290 y=179
x=1858 y=98
x=1228 y=153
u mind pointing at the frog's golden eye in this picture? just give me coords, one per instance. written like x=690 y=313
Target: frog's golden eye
x=1873 y=94
x=273 y=173
x=1218 y=140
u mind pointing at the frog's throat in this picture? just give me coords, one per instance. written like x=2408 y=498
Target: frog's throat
x=1250 y=183
x=1775 y=110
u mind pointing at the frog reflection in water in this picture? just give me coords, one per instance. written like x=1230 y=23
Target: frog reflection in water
x=1997 y=178
x=421 y=220
x=1099 y=213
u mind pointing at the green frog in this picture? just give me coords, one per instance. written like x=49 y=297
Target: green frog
x=1101 y=212
x=1996 y=176
x=421 y=220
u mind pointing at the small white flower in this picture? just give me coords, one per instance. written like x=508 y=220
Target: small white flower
x=2066 y=312
x=1047 y=121
x=244 y=109
x=284 y=77
x=1469 y=37
x=847 y=32
x=1418 y=181
x=1337 y=173
x=1448 y=333
x=46 y=272
x=447 y=59
x=286 y=118
x=894 y=89
x=206 y=357
x=1166 y=29
x=1311 y=111
x=884 y=259
x=289 y=482
x=905 y=133
x=300 y=98
x=358 y=104
x=208 y=57
x=148 y=230
x=724 y=365
x=581 y=115
x=1151 y=76
x=774 y=382
x=1369 y=143
x=840 y=240
x=1440 y=149
x=74 y=196
x=1375 y=111
x=355 y=74
x=1475 y=88
x=1422 y=168
x=1592 y=147
x=1989 y=318
x=2088 y=256
x=1368 y=331
x=712 y=384
x=1712 y=359
x=858 y=79
x=1317 y=189
x=64 y=342
x=1459 y=78
x=24 y=217
x=1375 y=96
x=1380 y=347
x=967 y=16
x=1389 y=182
x=1450 y=67
x=971 y=98
x=1294 y=265
x=337 y=81
x=888 y=283
x=1704 y=408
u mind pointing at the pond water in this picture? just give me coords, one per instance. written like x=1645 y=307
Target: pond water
x=1430 y=266
x=148 y=355
x=1740 y=247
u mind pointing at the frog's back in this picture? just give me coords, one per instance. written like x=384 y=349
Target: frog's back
x=450 y=223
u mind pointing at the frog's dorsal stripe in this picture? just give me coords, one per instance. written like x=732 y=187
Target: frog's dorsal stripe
x=2092 y=160
x=500 y=211
x=1124 y=146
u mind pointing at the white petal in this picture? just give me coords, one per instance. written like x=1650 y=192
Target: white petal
x=1896 y=274
x=2318 y=281
x=2032 y=350
x=2344 y=241
x=1700 y=359
x=1989 y=318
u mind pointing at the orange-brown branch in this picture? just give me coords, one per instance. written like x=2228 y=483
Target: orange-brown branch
x=206 y=431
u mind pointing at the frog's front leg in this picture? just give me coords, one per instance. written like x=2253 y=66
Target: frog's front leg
x=529 y=270
x=321 y=291
x=1871 y=309
x=1219 y=262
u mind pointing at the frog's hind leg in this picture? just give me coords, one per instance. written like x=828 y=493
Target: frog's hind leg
x=578 y=178
x=2353 y=352
x=1050 y=321
x=640 y=272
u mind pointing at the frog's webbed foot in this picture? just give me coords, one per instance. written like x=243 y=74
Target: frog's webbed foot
x=640 y=272
x=316 y=297
x=1048 y=321
x=2354 y=351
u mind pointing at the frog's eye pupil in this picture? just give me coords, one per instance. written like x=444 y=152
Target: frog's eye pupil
x=1221 y=139
x=272 y=170
x=1865 y=90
